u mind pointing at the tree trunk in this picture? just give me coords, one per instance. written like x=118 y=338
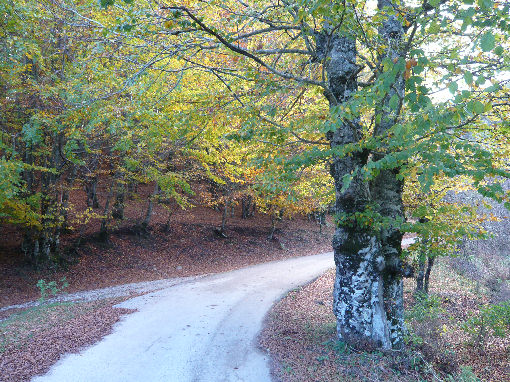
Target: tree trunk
x=144 y=226
x=247 y=206
x=65 y=199
x=420 y=276
x=104 y=233
x=387 y=189
x=224 y=217
x=368 y=292
x=118 y=206
x=42 y=245
x=358 y=291
x=273 y=225
x=430 y=264
x=90 y=189
x=166 y=227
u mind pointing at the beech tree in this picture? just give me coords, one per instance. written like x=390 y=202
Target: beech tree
x=351 y=84
x=377 y=67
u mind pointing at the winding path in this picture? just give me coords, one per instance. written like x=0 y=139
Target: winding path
x=197 y=330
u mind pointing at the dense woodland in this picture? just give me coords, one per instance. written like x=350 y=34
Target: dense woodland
x=373 y=113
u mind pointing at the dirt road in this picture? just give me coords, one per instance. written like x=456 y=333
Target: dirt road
x=197 y=330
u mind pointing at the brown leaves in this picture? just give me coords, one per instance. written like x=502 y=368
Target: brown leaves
x=188 y=248
x=409 y=65
x=37 y=339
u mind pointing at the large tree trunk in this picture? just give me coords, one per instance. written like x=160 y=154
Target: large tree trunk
x=387 y=188
x=368 y=293
x=358 y=293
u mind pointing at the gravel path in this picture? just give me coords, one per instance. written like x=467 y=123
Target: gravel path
x=127 y=289
x=111 y=292
x=194 y=330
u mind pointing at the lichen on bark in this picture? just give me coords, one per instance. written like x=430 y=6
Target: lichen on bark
x=368 y=293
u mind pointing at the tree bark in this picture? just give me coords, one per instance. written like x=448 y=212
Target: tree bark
x=118 y=206
x=144 y=226
x=166 y=227
x=248 y=207
x=368 y=292
x=90 y=190
x=273 y=225
x=420 y=276
x=104 y=233
x=387 y=189
x=358 y=292
x=224 y=217
x=430 y=264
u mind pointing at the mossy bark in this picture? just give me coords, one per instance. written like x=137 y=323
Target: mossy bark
x=368 y=292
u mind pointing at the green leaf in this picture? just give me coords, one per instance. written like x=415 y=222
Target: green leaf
x=468 y=77
x=487 y=42
x=434 y=27
x=106 y=3
x=453 y=86
x=393 y=102
x=478 y=107
x=480 y=80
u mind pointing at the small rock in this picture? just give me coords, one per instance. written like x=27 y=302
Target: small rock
x=179 y=268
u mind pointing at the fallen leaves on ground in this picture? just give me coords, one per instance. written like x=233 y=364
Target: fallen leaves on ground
x=300 y=336
x=33 y=340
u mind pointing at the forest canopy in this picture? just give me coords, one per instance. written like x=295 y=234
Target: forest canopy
x=373 y=110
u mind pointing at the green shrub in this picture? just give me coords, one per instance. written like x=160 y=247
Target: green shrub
x=425 y=307
x=465 y=375
x=491 y=320
x=51 y=288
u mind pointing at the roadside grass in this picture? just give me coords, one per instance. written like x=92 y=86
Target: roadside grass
x=300 y=336
x=18 y=328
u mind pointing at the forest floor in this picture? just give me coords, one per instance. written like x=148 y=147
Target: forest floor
x=300 y=335
x=190 y=247
x=31 y=340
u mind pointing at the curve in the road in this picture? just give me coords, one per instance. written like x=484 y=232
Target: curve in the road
x=198 y=331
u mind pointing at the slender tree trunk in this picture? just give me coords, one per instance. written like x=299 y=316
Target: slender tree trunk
x=144 y=226
x=90 y=189
x=430 y=264
x=420 y=276
x=118 y=206
x=224 y=217
x=166 y=227
x=104 y=229
x=273 y=225
x=65 y=198
x=247 y=206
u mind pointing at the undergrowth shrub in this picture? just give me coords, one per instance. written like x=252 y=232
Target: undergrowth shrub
x=425 y=322
x=491 y=320
x=51 y=288
x=464 y=375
